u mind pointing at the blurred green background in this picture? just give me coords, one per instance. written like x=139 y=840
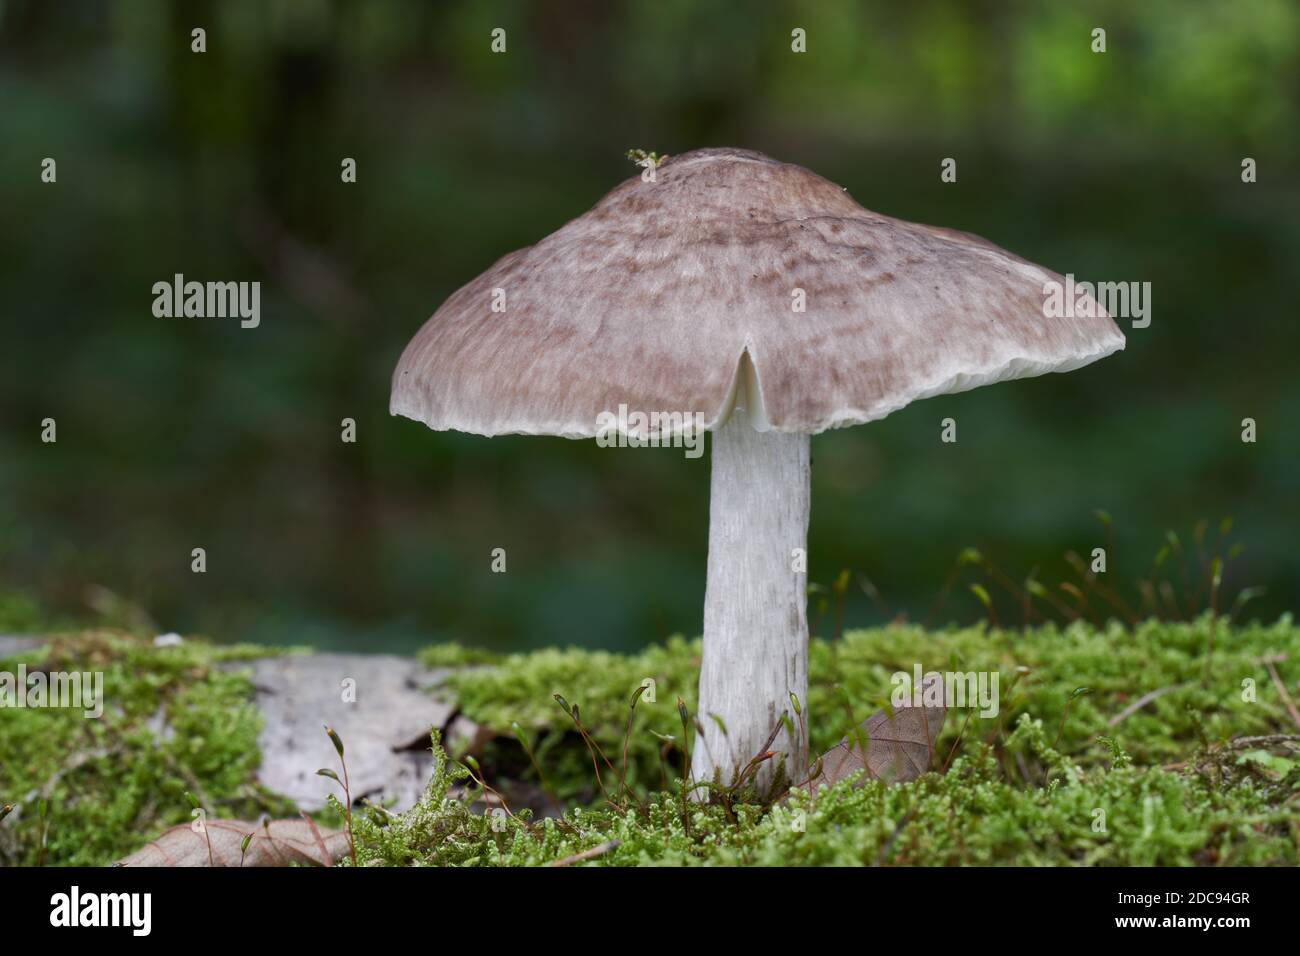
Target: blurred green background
x=175 y=434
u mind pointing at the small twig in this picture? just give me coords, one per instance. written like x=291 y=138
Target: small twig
x=75 y=762
x=591 y=854
x=1282 y=692
x=1141 y=702
x=1266 y=740
x=955 y=744
x=45 y=831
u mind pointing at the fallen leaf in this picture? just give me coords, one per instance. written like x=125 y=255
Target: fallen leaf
x=279 y=843
x=898 y=748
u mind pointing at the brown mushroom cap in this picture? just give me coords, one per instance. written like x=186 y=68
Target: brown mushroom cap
x=653 y=298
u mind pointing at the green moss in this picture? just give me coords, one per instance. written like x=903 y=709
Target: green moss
x=111 y=784
x=851 y=679
x=1109 y=815
x=522 y=687
x=1049 y=780
x=1033 y=785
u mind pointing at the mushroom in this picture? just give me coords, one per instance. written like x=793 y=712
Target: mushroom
x=764 y=298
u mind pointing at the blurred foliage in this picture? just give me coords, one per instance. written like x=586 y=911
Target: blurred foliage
x=175 y=434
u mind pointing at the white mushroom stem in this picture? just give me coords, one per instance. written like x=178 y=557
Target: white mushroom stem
x=755 y=605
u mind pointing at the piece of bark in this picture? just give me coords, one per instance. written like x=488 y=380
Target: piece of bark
x=384 y=720
x=279 y=843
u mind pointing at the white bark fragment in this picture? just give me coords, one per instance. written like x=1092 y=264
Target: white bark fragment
x=755 y=604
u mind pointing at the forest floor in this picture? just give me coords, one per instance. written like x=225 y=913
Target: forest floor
x=1161 y=744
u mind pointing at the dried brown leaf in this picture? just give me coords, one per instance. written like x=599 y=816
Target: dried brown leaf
x=279 y=843
x=898 y=748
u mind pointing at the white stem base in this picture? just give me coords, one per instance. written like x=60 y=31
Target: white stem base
x=755 y=605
